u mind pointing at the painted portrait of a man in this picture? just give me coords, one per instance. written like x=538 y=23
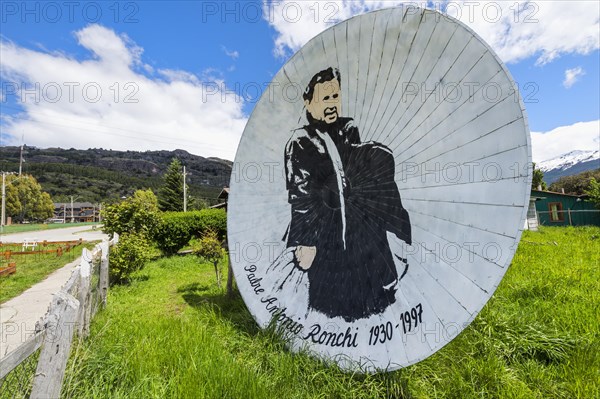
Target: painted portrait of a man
x=344 y=201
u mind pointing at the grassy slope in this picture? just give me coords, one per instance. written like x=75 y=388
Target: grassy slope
x=172 y=333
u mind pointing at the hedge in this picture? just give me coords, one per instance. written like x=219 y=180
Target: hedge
x=176 y=229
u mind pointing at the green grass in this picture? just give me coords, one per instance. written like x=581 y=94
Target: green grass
x=21 y=228
x=32 y=269
x=171 y=333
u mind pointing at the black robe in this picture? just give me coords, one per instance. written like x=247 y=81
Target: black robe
x=352 y=275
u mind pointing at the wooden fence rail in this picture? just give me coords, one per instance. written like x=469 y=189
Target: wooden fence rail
x=43 y=243
x=63 y=246
x=71 y=310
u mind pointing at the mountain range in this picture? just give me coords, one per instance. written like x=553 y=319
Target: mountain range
x=97 y=175
x=568 y=164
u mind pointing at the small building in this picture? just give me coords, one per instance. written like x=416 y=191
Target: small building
x=558 y=209
x=224 y=195
x=81 y=212
x=222 y=199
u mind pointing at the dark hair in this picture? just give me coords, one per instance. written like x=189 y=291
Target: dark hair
x=324 y=76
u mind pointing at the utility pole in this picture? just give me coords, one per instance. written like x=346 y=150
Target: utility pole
x=72 y=219
x=184 y=191
x=3 y=214
x=21 y=160
x=21 y=155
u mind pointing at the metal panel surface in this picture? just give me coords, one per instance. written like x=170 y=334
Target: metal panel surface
x=380 y=189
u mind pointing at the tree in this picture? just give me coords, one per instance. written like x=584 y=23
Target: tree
x=196 y=204
x=594 y=192
x=25 y=199
x=138 y=214
x=210 y=249
x=576 y=184
x=538 y=179
x=170 y=195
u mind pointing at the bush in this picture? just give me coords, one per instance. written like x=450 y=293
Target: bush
x=209 y=248
x=128 y=255
x=176 y=229
x=137 y=214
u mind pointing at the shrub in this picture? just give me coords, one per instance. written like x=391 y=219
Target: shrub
x=128 y=255
x=209 y=248
x=137 y=214
x=176 y=229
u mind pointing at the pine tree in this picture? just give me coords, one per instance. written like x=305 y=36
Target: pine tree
x=170 y=195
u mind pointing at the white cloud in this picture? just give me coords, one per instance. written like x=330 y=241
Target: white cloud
x=174 y=75
x=583 y=136
x=231 y=54
x=108 y=46
x=572 y=76
x=544 y=29
x=107 y=102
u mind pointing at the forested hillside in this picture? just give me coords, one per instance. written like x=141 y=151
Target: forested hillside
x=97 y=175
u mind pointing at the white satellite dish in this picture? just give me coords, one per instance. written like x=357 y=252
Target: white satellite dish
x=380 y=189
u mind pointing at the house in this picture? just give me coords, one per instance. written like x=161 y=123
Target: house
x=559 y=209
x=224 y=195
x=81 y=212
x=222 y=199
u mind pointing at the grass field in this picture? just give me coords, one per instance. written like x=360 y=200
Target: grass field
x=32 y=269
x=22 y=228
x=171 y=333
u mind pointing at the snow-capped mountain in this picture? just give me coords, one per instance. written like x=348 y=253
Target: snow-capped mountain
x=568 y=164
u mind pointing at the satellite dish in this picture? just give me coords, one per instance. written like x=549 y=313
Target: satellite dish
x=380 y=189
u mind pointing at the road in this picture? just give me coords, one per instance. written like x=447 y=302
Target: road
x=62 y=234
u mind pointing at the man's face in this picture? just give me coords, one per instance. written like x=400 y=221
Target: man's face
x=326 y=103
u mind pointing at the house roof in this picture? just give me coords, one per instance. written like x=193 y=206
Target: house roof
x=538 y=193
x=224 y=193
x=75 y=205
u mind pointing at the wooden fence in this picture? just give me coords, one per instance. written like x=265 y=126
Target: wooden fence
x=569 y=217
x=69 y=315
x=42 y=248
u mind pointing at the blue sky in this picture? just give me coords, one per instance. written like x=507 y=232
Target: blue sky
x=236 y=47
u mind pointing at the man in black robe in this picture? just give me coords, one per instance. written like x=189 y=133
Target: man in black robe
x=344 y=200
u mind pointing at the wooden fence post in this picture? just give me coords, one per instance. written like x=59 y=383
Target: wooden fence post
x=103 y=283
x=60 y=323
x=84 y=294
